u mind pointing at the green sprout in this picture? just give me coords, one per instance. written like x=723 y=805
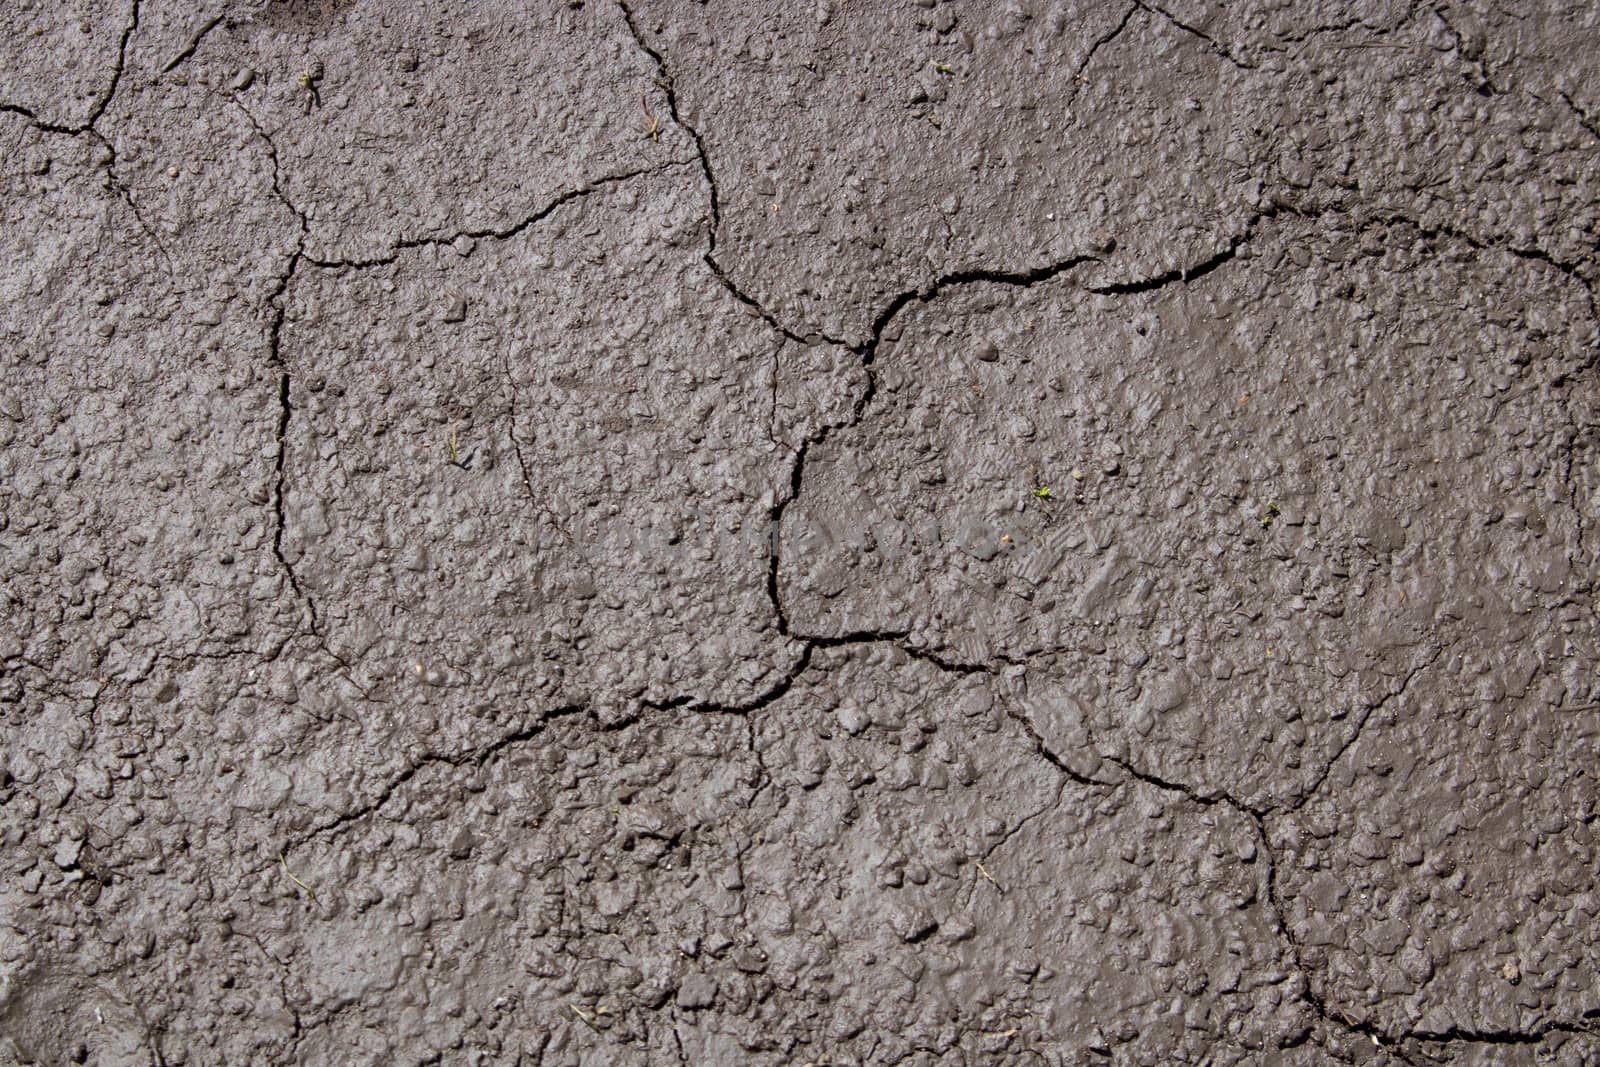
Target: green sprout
x=307 y=80
x=1042 y=492
x=1270 y=514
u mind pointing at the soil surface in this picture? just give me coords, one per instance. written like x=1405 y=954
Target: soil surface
x=1056 y=532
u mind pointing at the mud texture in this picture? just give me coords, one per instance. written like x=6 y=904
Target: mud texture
x=849 y=532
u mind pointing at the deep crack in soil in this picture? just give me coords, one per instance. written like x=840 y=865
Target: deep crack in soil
x=683 y=717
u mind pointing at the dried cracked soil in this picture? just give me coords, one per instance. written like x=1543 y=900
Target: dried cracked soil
x=852 y=532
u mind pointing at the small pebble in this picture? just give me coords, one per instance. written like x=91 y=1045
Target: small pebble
x=697 y=991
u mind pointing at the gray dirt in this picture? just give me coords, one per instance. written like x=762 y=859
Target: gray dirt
x=832 y=533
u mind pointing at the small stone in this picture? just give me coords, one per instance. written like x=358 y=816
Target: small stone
x=914 y=926
x=67 y=853
x=697 y=991
x=455 y=307
x=242 y=79
x=852 y=719
x=988 y=352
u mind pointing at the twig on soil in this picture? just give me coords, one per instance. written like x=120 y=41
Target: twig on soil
x=588 y=1019
x=652 y=127
x=985 y=872
x=311 y=893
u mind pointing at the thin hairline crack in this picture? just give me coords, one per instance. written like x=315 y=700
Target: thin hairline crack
x=102 y=100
